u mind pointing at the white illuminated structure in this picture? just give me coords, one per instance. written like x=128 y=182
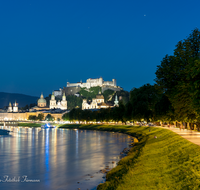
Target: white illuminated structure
x=97 y=103
x=93 y=82
x=10 y=107
x=15 y=107
x=116 y=102
x=58 y=105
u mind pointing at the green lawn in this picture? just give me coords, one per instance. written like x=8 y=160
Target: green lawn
x=166 y=162
x=30 y=124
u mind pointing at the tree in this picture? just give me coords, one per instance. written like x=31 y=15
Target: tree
x=128 y=111
x=91 y=92
x=143 y=101
x=118 y=112
x=73 y=102
x=32 y=117
x=49 y=117
x=65 y=117
x=24 y=108
x=178 y=77
x=164 y=110
x=40 y=116
x=108 y=94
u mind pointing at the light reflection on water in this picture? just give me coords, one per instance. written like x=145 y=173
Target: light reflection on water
x=59 y=158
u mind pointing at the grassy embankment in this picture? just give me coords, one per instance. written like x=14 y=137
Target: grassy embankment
x=166 y=162
x=30 y=124
x=33 y=124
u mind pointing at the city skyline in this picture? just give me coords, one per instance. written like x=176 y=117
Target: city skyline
x=46 y=44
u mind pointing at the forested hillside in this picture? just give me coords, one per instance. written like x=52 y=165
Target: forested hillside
x=21 y=99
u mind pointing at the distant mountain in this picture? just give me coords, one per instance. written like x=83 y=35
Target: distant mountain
x=21 y=99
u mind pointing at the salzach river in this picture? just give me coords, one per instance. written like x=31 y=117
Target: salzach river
x=34 y=158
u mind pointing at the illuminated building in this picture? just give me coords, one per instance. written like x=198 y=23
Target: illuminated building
x=116 y=102
x=14 y=108
x=10 y=107
x=97 y=103
x=59 y=105
x=93 y=82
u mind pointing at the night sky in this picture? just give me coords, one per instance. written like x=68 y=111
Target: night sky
x=45 y=44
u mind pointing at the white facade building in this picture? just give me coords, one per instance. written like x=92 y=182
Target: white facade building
x=10 y=107
x=59 y=105
x=14 y=108
x=97 y=103
x=93 y=82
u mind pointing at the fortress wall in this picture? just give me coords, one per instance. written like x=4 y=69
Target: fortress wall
x=25 y=116
x=110 y=88
x=73 y=84
x=71 y=90
x=108 y=83
x=93 y=82
x=13 y=116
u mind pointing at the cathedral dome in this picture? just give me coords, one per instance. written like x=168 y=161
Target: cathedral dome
x=42 y=100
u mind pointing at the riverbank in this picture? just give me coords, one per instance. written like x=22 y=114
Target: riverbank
x=30 y=124
x=160 y=160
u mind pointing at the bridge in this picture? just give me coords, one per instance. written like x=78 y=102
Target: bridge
x=9 y=123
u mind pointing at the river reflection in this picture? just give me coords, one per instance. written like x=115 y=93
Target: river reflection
x=33 y=158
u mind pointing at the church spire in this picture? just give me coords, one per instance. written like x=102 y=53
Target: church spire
x=41 y=97
x=99 y=91
x=53 y=96
x=116 y=102
x=64 y=97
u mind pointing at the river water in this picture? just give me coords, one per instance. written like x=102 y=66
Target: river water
x=34 y=158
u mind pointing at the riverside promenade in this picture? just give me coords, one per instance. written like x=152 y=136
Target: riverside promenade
x=190 y=135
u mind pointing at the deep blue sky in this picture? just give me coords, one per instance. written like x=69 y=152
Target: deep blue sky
x=44 y=44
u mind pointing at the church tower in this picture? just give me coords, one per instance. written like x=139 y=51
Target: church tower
x=10 y=107
x=64 y=102
x=53 y=101
x=116 y=102
x=15 y=107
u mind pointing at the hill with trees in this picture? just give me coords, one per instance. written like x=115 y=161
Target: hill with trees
x=26 y=102
x=21 y=99
x=76 y=102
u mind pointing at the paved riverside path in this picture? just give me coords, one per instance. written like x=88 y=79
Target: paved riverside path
x=190 y=135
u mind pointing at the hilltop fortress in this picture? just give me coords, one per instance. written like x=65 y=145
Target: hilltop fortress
x=73 y=88
x=94 y=82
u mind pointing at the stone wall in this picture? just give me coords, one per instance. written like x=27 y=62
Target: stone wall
x=25 y=116
x=93 y=82
x=111 y=88
x=71 y=90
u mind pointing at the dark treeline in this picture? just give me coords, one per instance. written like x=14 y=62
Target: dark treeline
x=145 y=104
x=110 y=114
x=41 y=117
x=174 y=98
